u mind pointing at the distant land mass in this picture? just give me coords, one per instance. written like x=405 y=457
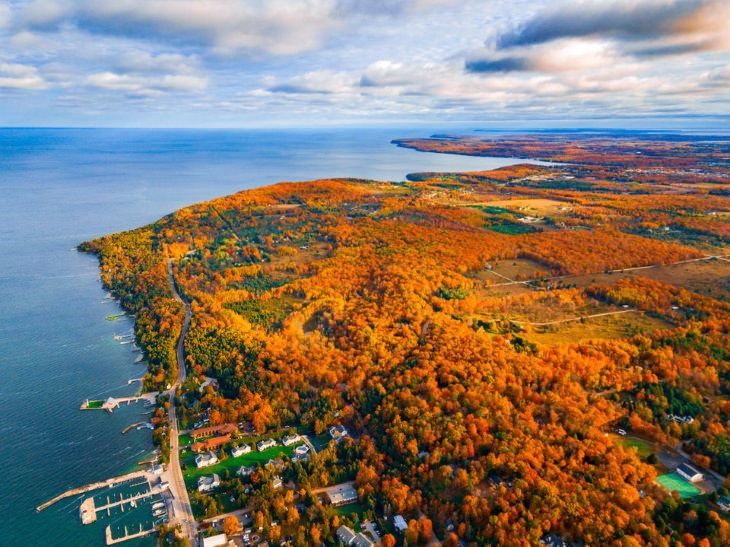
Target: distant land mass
x=537 y=353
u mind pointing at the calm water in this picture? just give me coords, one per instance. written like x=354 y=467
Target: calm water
x=61 y=187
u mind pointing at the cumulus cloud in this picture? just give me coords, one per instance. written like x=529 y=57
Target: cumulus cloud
x=669 y=26
x=276 y=27
x=19 y=76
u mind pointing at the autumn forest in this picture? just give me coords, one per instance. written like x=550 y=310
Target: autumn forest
x=516 y=354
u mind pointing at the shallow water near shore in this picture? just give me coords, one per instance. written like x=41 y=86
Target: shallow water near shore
x=60 y=187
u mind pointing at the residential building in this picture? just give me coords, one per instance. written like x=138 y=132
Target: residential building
x=348 y=537
x=301 y=450
x=245 y=471
x=215 y=541
x=276 y=482
x=265 y=444
x=686 y=471
x=240 y=450
x=208 y=483
x=338 y=432
x=400 y=523
x=724 y=503
x=290 y=439
x=223 y=429
x=342 y=496
x=204 y=460
x=210 y=444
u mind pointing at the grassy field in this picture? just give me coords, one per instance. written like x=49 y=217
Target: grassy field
x=608 y=328
x=95 y=404
x=643 y=448
x=530 y=206
x=350 y=508
x=672 y=482
x=192 y=473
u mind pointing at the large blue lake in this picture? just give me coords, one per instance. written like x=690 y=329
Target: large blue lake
x=59 y=187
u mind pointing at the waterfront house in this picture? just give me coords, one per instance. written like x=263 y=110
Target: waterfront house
x=686 y=471
x=265 y=444
x=208 y=483
x=204 y=460
x=338 y=432
x=237 y=451
x=290 y=439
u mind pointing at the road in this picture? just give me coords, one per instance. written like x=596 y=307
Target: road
x=558 y=321
x=619 y=270
x=181 y=501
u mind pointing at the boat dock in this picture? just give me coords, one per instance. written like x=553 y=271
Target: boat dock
x=108 y=483
x=127 y=535
x=89 y=509
x=113 y=402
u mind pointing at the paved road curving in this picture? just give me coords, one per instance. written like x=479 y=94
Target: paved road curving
x=183 y=510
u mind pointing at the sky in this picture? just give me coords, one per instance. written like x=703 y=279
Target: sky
x=250 y=63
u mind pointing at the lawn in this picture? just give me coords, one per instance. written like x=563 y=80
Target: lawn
x=672 y=482
x=350 y=508
x=643 y=448
x=95 y=404
x=185 y=440
x=192 y=473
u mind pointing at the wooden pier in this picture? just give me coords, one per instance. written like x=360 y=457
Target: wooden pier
x=128 y=535
x=108 y=483
x=113 y=402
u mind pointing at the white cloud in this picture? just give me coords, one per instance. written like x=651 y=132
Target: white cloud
x=136 y=84
x=19 y=76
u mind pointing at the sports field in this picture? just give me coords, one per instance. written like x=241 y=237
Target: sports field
x=672 y=481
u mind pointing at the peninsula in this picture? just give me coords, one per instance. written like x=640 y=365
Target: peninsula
x=538 y=353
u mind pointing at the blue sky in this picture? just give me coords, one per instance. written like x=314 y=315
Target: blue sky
x=242 y=63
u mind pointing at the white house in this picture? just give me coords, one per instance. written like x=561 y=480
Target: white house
x=400 y=523
x=206 y=459
x=240 y=450
x=338 y=432
x=686 y=471
x=245 y=471
x=215 y=541
x=301 y=450
x=290 y=439
x=265 y=444
x=208 y=483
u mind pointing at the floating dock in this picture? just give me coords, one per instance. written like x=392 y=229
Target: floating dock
x=89 y=508
x=128 y=535
x=108 y=483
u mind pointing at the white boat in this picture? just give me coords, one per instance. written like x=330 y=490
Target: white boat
x=158 y=505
